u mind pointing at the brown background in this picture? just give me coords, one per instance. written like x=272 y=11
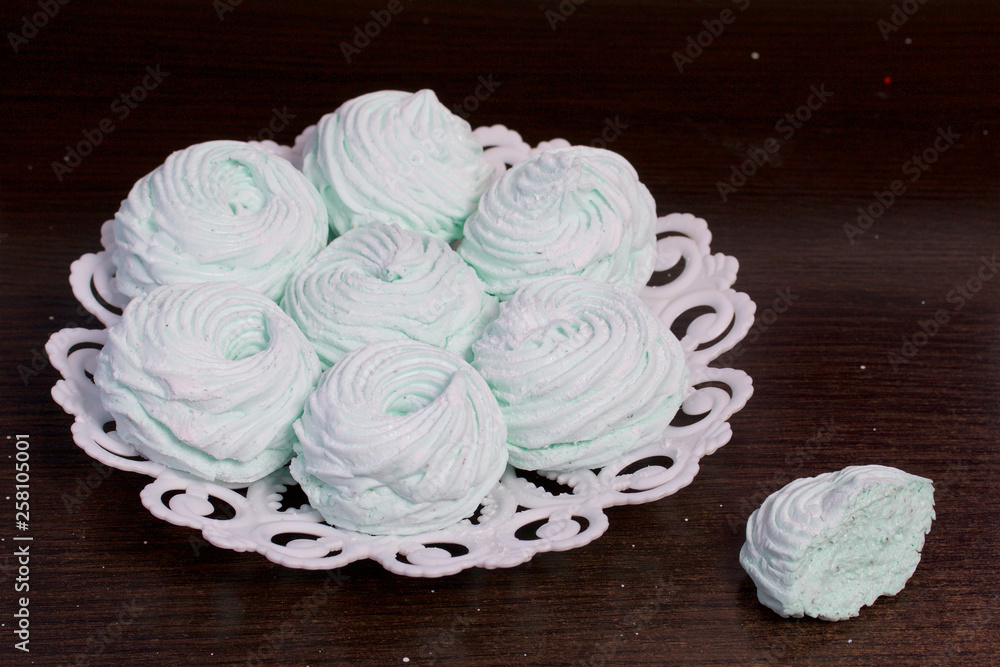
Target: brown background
x=673 y=564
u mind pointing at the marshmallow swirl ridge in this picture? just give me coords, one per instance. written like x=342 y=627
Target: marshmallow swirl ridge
x=382 y=282
x=207 y=378
x=568 y=211
x=828 y=545
x=583 y=372
x=218 y=211
x=400 y=158
x=399 y=437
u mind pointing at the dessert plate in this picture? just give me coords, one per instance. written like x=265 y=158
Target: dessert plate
x=525 y=513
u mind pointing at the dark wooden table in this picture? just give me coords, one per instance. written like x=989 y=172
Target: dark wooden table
x=846 y=375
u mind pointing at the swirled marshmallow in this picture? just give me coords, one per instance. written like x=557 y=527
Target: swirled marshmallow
x=583 y=372
x=382 y=282
x=207 y=378
x=570 y=211
x=218 y=211
x=400 y=158
x=828 y=545
x=399 y=438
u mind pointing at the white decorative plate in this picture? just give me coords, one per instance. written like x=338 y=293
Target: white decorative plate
x=525 y=513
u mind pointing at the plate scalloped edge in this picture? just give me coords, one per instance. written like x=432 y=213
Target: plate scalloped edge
x=525 y=513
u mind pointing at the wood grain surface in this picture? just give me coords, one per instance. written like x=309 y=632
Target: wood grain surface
x=112 y=585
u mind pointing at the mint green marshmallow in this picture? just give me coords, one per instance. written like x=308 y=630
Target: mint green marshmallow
x=220 y=211
x=577 y=211
x=207 y=378
x=828 y=545
x=400 y=158
x=382 y=282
